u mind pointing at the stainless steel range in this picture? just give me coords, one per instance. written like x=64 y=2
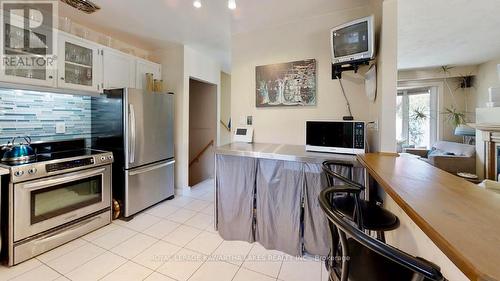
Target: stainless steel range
x=57 y=197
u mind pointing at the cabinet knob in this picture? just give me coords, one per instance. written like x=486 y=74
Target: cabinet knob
x=50 y=77
x=62 y=78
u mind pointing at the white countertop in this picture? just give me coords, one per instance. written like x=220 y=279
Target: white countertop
x=4 y=171
x=284 y=152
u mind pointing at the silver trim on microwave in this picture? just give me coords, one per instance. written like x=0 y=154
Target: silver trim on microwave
x=339 y=150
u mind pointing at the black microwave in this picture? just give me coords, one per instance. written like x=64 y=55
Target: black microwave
x=345 y=137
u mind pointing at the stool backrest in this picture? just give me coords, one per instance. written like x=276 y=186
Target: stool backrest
x=332 y=175
x=423 y=270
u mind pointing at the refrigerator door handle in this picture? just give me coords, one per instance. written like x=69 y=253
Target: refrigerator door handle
x=150 y=168
x=132 y=134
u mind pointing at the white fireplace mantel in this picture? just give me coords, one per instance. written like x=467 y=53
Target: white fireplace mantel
x=487 y=141
x=488 y=127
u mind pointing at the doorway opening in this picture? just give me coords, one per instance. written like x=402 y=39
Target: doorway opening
x=202 y=130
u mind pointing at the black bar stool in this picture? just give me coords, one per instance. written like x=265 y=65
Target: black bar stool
x=365 y=258
x=367 y=215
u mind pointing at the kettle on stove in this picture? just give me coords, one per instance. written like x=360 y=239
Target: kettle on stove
x=18 y=153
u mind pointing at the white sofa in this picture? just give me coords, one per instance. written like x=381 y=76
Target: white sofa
x=452 y=157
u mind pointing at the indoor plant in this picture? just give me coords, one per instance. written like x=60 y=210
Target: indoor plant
x=454 y=116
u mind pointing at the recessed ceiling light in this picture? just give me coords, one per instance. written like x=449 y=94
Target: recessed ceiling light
x=231 y=4
x=197 y=3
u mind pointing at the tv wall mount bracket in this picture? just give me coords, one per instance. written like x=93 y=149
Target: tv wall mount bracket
x=338 y=68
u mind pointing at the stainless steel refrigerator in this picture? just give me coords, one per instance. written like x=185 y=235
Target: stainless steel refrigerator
x=137 y=126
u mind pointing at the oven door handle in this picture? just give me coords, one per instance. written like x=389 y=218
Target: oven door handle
x=65 y=231
x=67 y=178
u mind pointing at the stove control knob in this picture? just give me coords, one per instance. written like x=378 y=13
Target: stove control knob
x=110 y=157
x=103 y=158
x=32 y=171
x=18 y=173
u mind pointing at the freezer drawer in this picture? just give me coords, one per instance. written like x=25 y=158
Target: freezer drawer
x=148 y=185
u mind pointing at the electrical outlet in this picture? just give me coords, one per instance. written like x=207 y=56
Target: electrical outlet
x=372 y=125
x=249 y=120
x=60 y=128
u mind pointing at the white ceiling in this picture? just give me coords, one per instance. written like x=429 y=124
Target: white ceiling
x=258 y=14
x=447 y=32
x=151 y=24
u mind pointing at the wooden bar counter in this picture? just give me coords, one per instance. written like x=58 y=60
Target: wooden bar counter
x=462 y=219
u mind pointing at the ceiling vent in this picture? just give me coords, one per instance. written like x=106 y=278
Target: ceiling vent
x=83 y=5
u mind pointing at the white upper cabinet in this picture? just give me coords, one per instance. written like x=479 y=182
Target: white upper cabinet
x=79 y=64
x=14 y=46
x=118 y=69
x=143 y=67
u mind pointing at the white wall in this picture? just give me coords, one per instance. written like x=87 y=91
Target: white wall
x=304 y=39
x=179 y=64
x=201 y=67
x=387 y=79
x=172 y=61
x=225 y=107
x=487 y=76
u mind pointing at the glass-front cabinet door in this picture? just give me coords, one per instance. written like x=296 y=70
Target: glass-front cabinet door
x=79 y=64
x=24 y=57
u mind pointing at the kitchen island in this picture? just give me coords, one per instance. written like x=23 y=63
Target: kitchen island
x=460 y=218
x=269 y=193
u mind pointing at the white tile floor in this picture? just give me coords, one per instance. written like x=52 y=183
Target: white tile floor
x=173 y=241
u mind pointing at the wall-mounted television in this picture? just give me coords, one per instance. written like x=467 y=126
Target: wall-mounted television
x=353 y=41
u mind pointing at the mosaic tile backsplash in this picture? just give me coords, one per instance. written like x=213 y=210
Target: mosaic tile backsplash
x=36 y=113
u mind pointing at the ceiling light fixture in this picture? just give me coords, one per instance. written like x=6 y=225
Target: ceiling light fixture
x=197 y=3
x=231 y=4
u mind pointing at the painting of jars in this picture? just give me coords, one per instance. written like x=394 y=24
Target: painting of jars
x=286 y=84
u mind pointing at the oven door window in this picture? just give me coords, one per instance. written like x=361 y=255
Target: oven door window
x=64 y=198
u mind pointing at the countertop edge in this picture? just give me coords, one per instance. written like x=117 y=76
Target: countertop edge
x=279 y=152
x=462 y=262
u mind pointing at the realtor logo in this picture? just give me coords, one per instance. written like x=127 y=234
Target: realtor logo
x=28 y=39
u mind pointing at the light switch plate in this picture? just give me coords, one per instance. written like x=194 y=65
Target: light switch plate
x=60 y=128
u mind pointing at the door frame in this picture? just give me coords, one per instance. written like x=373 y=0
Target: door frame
x=217 y=110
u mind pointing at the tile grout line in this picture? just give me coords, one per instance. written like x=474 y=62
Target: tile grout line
x=36 y=267
x=62 y=274
x=94 y=259
x=135 y=234
x=241 y=265
x=205 y=261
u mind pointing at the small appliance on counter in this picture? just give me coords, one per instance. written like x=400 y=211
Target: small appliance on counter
x=138 y=128
x=62 y=192
x=243 y=134
x=344 y=137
